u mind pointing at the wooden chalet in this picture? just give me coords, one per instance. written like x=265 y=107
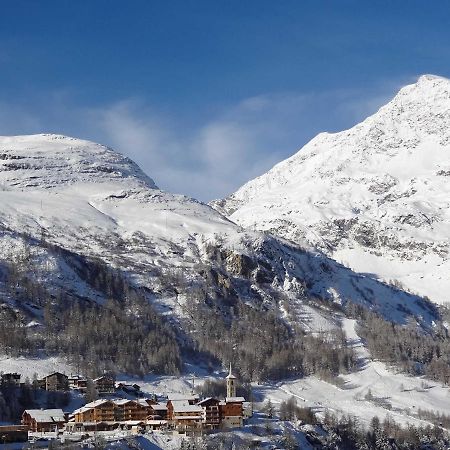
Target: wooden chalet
x=43 y=419
x=56 y=381
x=184 y=415
x=211 y=412
x=132 y=389
x=121 y=410
x=231 y=412
x=157 y=411
x=106 y=384
x=77 y=382
x=96 y=411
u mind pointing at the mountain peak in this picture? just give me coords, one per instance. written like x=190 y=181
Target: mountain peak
x=428 y=87
x=376 y=194
x=44 y=161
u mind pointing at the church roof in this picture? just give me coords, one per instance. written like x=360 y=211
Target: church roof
x=230 y=376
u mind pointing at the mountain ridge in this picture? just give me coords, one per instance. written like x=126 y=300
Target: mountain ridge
x=375 y=196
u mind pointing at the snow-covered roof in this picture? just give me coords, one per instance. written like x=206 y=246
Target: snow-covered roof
x=96 y=403
x=46 y=415
x=184 y=406
x=123 y=401
x=235 y=399
x=59 y=374
x=159 y=407
x=103 y=377
x=178 y=397
x=207 y=400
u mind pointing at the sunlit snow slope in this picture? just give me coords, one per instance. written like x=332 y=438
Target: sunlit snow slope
x=375 y=197
x=91 y=201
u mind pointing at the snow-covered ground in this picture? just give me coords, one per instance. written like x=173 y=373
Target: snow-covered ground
x=28 y=367
x=405 y=394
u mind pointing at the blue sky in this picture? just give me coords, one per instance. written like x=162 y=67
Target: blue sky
x=206 y=95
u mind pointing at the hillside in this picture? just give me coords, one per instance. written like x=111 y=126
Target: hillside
x=375 y=197
x=82 y=226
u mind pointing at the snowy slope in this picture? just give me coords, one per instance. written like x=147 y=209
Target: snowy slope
x=394 y=395
x=91 y=201
x=376 y=196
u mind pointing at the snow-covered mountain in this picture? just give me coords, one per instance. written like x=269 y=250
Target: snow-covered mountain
x=375 y=197
x=75 y=195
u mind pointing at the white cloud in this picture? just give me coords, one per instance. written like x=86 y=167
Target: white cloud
x=214 y=159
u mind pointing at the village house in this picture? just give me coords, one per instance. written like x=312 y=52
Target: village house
x=126 y=410
x=10 y=379
x=132 y=389
x=56 y=381
x=120 y=410
x=181 y=412
x=184 y=415
x=231 y=412
x=43 y=419
x=77 y=382
x=157 y=411
x=103 y=415
x=96 y=411
x=211 y=412
x=106 y=384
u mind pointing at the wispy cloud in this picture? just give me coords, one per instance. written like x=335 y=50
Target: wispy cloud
x=213 y=159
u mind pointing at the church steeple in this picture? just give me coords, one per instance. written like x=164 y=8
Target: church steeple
x=231 y=384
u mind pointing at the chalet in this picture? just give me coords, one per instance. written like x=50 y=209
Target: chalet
x=10 y=379
x=132 y=389
x=43 y=419
x=77 y=382
x=192 y=399
x=106 y=384
x=120 y=411
x=55 y=382
x=154 y=424
x=231 y=412
x=13 y=433
x=126 y=410
x=96 y=411
x=157 y=411
x=183 y=415
x=211 y=412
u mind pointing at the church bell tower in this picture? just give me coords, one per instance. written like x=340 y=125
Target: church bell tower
x=231 y=384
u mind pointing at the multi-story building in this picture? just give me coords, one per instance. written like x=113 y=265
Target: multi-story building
x=77 y=382
x=56 y=381
x=10 y=379
x=211 y=412
x=106 y=384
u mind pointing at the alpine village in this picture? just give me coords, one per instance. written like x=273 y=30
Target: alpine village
x=124 y=407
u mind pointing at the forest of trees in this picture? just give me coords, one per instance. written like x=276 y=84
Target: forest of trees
x=124 y=333
x=14 y=399
x=262 y=346
x=409 y=347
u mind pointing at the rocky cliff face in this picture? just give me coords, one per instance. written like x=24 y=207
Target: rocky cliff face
x=376 y=196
